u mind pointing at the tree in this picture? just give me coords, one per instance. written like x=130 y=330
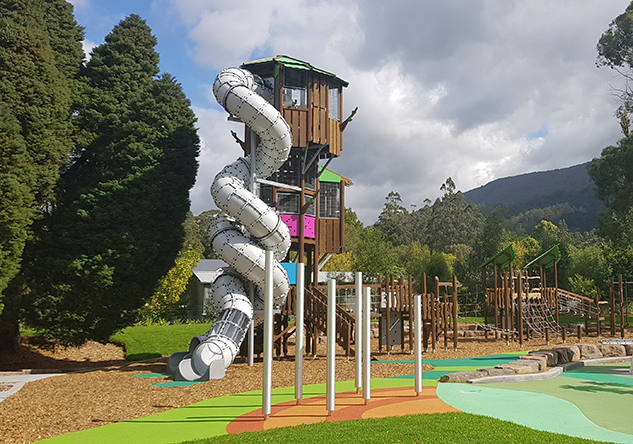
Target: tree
x=165 y=300
x=615 y=50
x=453 y=220
x=612 y=174
x=41 y=52
x=117 y=225
x=353 y=228
x=394 y=221
x=374 y=255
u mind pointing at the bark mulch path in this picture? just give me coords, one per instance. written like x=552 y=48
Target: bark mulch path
x=98 y=389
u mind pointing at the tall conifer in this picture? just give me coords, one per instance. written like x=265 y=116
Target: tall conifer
x=117 y=224
x=40 y=54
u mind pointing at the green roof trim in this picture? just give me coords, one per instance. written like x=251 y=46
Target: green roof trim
x=328 y=176
x=296 y=64
x=502 y=257
x=547 y=259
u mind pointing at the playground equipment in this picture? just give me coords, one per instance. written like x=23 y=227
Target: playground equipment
x=523 y=304
x=244 y=231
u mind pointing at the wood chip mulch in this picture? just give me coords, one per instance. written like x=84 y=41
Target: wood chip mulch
x=103 y=392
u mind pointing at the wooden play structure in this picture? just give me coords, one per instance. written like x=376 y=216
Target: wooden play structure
x=519 y=305
x=309 y=197
x=392 y=308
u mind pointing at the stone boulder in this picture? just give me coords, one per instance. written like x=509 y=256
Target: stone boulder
x=628 y=349
x=589 y=351
x=612 y=350
x=575 y=351
x=542 y=360
x=565 y=355
x=551 y=356
x=497 y=371
x=462 y=376
x=521 y=367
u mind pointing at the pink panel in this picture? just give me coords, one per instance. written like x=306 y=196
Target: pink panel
x=309 y=226
x=292 y=220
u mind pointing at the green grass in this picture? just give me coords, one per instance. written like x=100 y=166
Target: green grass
x=436 y=428
x=153 y=341
x=471 y=320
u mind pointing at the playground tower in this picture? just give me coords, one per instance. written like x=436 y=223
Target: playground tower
x=309 y=197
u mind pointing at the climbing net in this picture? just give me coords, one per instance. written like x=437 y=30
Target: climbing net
x=539 y=316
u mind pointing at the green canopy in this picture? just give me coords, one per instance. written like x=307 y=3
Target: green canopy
x=296 y=64
x=547 y=259
x=503 y=257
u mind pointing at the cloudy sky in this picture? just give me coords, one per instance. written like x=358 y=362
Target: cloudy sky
x=472 y=89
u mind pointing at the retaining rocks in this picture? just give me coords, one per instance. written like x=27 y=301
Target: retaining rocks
x=538 y=361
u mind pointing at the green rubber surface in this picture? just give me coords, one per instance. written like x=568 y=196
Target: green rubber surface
x=204 y=419
x=532 y=409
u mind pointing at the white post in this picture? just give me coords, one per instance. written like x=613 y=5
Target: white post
x=251 y=288
x=268 y=337
x=358 y=332
x=251 y=329
x=366 y=345
x=417 y=320
x=299 y=332
x=331 y=346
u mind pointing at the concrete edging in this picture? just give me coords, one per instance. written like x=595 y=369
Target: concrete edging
x=549 y=374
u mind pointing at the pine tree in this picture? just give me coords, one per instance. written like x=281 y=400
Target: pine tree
x=117 y=224
x=40 y=53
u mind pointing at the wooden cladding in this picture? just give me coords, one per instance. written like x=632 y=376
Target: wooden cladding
x=329 y=235
x=297 y=118
x=313 y=123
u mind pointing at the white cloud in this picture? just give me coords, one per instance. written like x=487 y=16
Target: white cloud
x=443 y=88
x=87 y=47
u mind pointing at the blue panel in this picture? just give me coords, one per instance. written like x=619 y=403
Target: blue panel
x=291 y=269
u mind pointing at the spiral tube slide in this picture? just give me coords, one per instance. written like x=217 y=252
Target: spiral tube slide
x=243 y=232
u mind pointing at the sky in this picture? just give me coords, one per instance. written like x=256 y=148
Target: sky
x=475 y=90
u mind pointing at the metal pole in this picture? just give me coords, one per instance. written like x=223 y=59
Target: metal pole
x=251 y=287
x=299 y=332
x=331 y=346
x=251 y=329
x=367 y=345
x=268 y=337
x=417 y=319
x=358 y=329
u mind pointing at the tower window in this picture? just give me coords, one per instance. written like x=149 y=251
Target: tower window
x=295 y=88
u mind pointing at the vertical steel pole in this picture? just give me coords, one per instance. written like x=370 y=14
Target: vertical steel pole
x=358 y=332
x=331 y=346
x=268 y=337
x=417 y=319
x=251 y=288
x=367 y=345
x=299 y=332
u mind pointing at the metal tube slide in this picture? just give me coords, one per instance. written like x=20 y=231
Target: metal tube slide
x=243 y=233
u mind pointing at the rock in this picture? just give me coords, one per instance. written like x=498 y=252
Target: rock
x=565 y=355
x=521 y=367
x=589 y=351
x=628 y=349
x=612 y=350
x=552 y=357
x=542 y=360
x=462 y=376
x=574 y=349
x=497 y=371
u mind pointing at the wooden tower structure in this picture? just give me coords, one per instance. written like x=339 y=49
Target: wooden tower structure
x=309 y=197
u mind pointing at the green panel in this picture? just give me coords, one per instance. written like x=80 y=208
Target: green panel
x=547 y=259
x=328 y=176
x=502 y=257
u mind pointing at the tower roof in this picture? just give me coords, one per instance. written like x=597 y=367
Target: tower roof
x=296 y=64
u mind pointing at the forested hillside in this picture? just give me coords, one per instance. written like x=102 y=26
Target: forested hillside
x=564 y=194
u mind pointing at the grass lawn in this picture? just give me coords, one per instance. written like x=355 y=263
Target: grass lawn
x=153 y=341
x=436 y=428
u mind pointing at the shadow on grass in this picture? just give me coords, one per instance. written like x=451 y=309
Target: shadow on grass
x=596 y=387
x=142 y=356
